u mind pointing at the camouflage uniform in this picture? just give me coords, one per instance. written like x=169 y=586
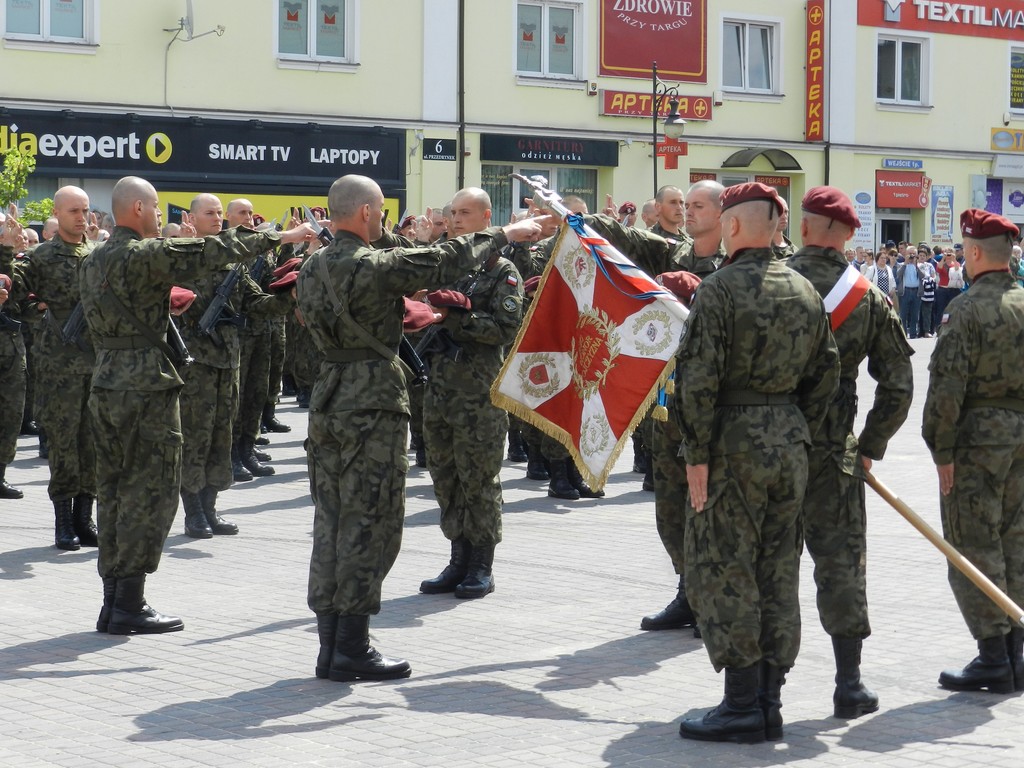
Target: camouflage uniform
x=834 y=518
x=134 y=400
x=359 y=411
x=12 y=382
x=974 y=419
x=464 y=433
x=757 y=370
x=64 y=370
x=209 y=399
x=254 y=360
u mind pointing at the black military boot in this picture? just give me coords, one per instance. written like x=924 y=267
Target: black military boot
x=851 y=698
x=1015 y=650
x=560 y=487
x=676 y=615
x=249 y=460
x=453 y=573
x=536 y=467
x=84 y=526
x=581 y=485
x=516 y=446
x=44 y=444
x=421 y=456
x=479 y=581
x=219 y=526
x=641 y=456
x=132 y=615
x=260 y=455
x=355 y=659
x=64 y=525
x=738 y=718
x=326 y=630
x=270 y=420
x=196 y=526
x=649 y=476
x=8 y=491
x=990 y=670
x=288 y=387
x=109 y=590
x=238 y=471
x=261 y=440
x=302 y=396
x=29 y=427
x=769 y=697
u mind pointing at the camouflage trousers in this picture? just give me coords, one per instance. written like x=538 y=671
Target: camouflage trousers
x=465 y=439
x=208 y=404
x=835 y=532
x=63 y=411
x=983 y=517
x=253 y=384
x=12 y=392
x=416 y=394
x=743 y=557
x=138 y=474
x=357 y=466
x=277 y=343
x=671 y=491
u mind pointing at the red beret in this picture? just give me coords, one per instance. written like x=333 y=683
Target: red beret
x=448 y=298
x=417 y=316
x=681 y=283
x=831 y=203
x=257 y=220
x=627 y=208
x=282 y=284
x=181 y=300
x=749 y=192
x=318 y=213
x=293 y=263
x=982 y=224
x=531 y=284
x=410 y=219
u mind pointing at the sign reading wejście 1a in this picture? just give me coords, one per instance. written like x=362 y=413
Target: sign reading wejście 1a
x=164 y=149
x=439 y=149
x=902 y=164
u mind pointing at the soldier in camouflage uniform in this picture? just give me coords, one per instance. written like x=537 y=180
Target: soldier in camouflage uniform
x=757 y=370
x=64 y=369
x=209 y=399
x=974 y=427
x=12 y=387
x=125 y=288
x=701 y=255
x=351 y=297
x=782 y=246
x=834 y=518
x=463 y=431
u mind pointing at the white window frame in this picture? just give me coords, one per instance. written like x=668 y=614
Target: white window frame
x=1019 y=49
x=45 y=41
x=774 y=24
x=579 y=44
x=349 y=63
x=925 y=42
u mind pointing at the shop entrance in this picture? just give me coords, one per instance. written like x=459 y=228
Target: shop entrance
x=892 y=228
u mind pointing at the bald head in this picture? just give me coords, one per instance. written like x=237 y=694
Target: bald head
x=357 y=206
x=206 y=214
x=749 y=225
x=471 y=211
x=575 y=203
x=239 y=213
x=71 y=213
x=135 y=205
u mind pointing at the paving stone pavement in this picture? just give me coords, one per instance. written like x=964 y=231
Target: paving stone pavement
x=550 y=670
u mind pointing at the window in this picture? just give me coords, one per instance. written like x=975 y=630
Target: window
x=60 y=21
x=507 y=194
x=750 y=56
x=546 y=39
x=316 y=30
x=902 y=65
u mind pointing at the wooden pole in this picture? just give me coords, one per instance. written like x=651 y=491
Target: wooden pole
x=965 y=566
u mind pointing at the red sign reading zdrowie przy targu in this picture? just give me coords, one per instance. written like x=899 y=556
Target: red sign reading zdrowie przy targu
x=635 y=33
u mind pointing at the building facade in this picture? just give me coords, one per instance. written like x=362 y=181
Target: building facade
x=914 y=107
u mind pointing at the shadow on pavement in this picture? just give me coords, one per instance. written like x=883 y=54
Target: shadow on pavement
x=17 y=564
x=242 y=715
x=17 y=661
x=276 y=626
x=491 y=698
x=409 y=611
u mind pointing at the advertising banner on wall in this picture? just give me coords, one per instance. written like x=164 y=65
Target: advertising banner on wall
x=901 y=189
x=1002 y=19
x=942 y=213
x=864 y=237
x=635 y=33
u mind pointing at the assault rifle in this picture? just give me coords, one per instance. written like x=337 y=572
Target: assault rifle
x=407 y=352
x=438 y=339
x=71 y=331
x=214 y=314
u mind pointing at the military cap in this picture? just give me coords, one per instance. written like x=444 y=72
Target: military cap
x=181 y=300
x=448 y=298
x=410 y=219
x=293 y=263
x=531 y=285
x=682 y=283
x=627 y=208
x=284 y=283
x=981 y=225
x=257 y=220
x=417 y=316
x=749 y=192
x=831 y=203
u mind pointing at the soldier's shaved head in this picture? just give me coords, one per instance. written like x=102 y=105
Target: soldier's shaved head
x=471 y=211
x=71 y=213
x=709 y=186
x=127 y=192
x=666 y=190
x=749 y=225
x=357 y=206
x=239 y=213
x=575 y=203
x=135 y=205
x=823 y=231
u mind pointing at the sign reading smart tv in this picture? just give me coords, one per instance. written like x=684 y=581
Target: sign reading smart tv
x=163 y=149
x=672 y=32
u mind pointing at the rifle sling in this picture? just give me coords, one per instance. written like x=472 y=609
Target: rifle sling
x=145 y=331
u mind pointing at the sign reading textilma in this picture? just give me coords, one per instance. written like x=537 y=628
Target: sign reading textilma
x=635 y=33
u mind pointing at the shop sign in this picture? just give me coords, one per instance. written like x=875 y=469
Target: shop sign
x=814 y=66
x=537 y=148
x=1001 y=19
x=903 y=164
x=1007 y=140
x=633 y=104
x=672 y=32
x=901 y=189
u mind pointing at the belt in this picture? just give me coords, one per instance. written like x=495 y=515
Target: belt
x=1009 y=403
x=749 y=397
x=121 y=342
x=350 y=355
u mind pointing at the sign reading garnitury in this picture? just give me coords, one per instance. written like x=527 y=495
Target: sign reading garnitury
x=73 y=144
x=1002 y=19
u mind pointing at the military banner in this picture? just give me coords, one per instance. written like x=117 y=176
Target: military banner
x=598 y=340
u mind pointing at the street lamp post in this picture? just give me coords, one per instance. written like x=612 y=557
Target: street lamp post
x=674 y=124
